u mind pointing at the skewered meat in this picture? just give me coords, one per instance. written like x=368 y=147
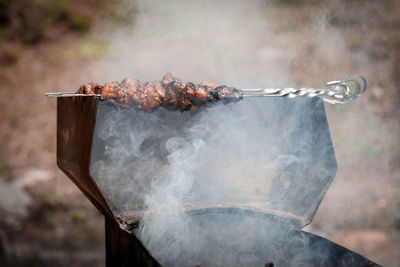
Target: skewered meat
x=170 y=93
x=89 y=89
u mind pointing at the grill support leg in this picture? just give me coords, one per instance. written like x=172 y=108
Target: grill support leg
x=123 y=249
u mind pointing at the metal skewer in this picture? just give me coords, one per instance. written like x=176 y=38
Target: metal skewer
x=67 y=94
x=336 y=92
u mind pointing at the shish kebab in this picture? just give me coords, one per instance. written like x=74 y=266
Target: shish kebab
x=174 y=94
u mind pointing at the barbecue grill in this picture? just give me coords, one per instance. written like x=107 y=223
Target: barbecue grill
x=280 y=194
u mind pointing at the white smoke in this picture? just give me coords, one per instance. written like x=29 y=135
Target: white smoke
x=221 y=41
x=245 y=155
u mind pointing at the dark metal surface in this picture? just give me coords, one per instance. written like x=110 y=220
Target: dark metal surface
x=76 y=118
x=294 y=247
x=339 y=256
x=297 y=246
x=298 y=133
x=123 y=249
x=76 y=123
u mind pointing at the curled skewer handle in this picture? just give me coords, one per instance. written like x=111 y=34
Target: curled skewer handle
x=345 y=90
x=336 y=92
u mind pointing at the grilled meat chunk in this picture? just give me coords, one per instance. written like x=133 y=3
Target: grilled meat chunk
x=113 y=90
x=170 y=93
x=89 y=89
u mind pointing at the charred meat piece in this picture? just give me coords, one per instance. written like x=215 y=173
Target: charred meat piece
x=133 y=92
x=170 y=93
x=228 y=94
x=113 y=90
x=152 y=96
x=90 y=89
x=167 y=79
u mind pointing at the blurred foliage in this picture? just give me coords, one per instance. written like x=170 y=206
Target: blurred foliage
x=295 y=24
x=89 y=47
x=5 y=169
x=378 y=53
x=2 y=165
x=4 y=17
x=77 y=216
x=81 y=24
x=32 y=21
x=293 y=2
x=121 y=12
x=356 y=43
x=92 y=48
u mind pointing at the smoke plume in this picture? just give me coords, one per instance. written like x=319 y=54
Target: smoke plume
x=251 y=156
